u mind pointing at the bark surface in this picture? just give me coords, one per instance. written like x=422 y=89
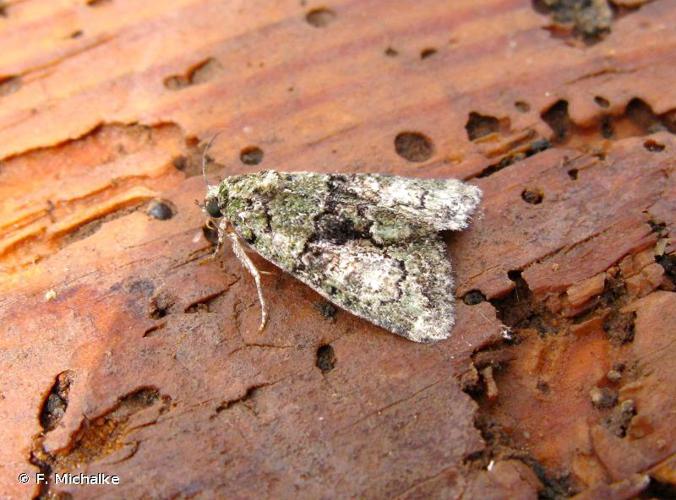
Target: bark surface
x=126 y=350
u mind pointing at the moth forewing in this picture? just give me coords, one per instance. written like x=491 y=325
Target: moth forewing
x=369 y=243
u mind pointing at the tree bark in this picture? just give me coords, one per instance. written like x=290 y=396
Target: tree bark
x=126 y=350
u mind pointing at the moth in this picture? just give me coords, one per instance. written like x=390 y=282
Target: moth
x=369 y=243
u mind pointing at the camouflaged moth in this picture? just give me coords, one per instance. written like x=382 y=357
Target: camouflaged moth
x=369 y=243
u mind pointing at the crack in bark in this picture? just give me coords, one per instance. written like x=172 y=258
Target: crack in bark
x=389 y=406
x=59 y=60
x=208 y=299
x=424 y=480
x=249 y=393
x=602 y=72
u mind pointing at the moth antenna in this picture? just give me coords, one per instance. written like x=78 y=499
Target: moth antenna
x=204 y=156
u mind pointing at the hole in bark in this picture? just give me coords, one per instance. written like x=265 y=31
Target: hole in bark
x=534 y=148
x=205 y=71
x=3 y=9
x=479 y=125
x=180 y=163
x=9 y=84
x=659 y=489
x=522 y=106
x=653 y=146
x=251 y=155
x=320 y=18
x=390 y=52
x=607 y=127
x=96 y=3
x=326 y=358
x=668 y=262
x=158 y=313
x=572 y=173
x=54 y=407
x=473 y=297
x=428 y=52
x=642 y=116
x=556 y=116
x=620 y=327
x=160 y=305
x=160 y=210
x=199 y=73
x=514 y=275
x=519 y=310
x=601 y=101
x=638 y=119
x=532 y=196
x=176 y=82
x=413 y=146
x=96 y=438
x=192 y=165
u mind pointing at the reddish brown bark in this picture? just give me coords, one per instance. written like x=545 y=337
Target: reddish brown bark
x=126 y=350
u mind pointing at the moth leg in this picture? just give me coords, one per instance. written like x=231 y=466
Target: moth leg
x=221 y=228
x=246 y=262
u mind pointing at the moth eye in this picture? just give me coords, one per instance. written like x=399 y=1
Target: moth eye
x=213 y=209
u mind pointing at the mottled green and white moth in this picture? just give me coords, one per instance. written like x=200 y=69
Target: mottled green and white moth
x=369 y=243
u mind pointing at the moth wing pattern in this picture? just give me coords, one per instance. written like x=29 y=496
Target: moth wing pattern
x=444 y=204
x=408 y=289
x=369 y=243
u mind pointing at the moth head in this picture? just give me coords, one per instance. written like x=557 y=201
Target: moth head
x=212 y=202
